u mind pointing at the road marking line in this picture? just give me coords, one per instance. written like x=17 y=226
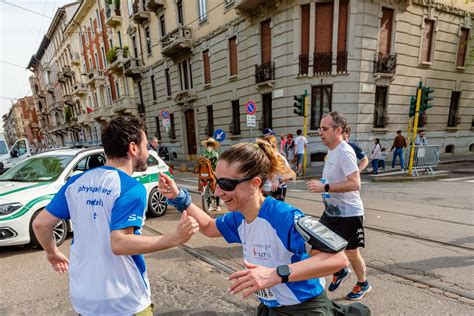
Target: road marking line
x=457 y=179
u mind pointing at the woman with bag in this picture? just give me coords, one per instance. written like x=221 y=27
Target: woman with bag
x=376 y=154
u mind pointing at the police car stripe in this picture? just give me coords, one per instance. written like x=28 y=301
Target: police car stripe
x=25 y=188
x=27 y=207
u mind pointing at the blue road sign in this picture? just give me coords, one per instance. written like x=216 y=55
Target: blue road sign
x=219 y=135
x=165 y=114
x=250 y=107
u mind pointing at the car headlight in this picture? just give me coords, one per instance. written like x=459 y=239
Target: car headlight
x=8 y=208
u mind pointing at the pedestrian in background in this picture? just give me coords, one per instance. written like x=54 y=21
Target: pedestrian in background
x=107 y=270
x=290 y=151
x=153 y=144
x=283 y=145
x=360 y=154
x=421 y=139
x=344 y=211
x=398 y=144
x=286 y=278
x=376 y=154
x=300 y=146
x=210 y=153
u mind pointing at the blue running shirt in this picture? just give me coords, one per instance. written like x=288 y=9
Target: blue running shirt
x=272 y=240
x=98 y=202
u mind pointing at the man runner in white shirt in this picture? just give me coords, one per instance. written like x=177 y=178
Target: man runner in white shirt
x=300 y=145
x=107 y=270
x=344 y=213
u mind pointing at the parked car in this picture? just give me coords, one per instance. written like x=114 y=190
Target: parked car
x=10 y=157
x=27 y=188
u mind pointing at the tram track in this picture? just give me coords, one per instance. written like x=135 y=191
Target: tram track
x=218 y=264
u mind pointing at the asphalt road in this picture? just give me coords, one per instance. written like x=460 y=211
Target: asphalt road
x=410 y=271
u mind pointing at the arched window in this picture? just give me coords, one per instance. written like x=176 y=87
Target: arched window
x=449 y=149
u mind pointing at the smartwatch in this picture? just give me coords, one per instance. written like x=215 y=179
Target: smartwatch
x=284 y=273
x=326 y=187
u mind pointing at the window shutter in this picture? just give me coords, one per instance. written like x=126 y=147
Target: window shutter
x=462 y=47
x=305 y=29
x=233 y=56
x=266 y=41
x=427 y=39
x=385 y=37
x=207 y=67
x=342 y=26
x=323 y=27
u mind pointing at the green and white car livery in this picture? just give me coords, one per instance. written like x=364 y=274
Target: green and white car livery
x=29 y=186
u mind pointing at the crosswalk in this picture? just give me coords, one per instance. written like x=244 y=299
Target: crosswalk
x=469 y=179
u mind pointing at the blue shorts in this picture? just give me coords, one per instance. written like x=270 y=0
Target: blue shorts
x=300 y=158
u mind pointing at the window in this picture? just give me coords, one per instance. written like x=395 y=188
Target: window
x=98 y=18
x=453 y=118
x=202 y=10
x=342 y=37
x=210 y=121
x=233 y=56
x=304 y=53
x=321 y=102
x=179 y=7
x=380 y=107
x=158 y=130
x=153 y=89
x=462 y=47
x=385 y=34
x=267 y=110
x=96 y=59
x=109 y=95
x=168 y=82
x=148 y=40
x=427 y=41
x=323 y=42
x=104 y=60
x=206 y=66
x=119 y=35
x=162 y=25
x=117 y=88
x=235 y=125
x=266 y=41
x=172 y=132
x=134 y=44
x=141 y=106
x=185 y=75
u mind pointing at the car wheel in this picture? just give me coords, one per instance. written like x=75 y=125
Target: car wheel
x=59 y=232
x=157 y=205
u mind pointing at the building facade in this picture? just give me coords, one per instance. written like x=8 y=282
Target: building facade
x=202 y=60
x=22 y=122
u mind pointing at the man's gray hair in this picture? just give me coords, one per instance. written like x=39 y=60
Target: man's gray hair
x=338 y=119
x=153 y=139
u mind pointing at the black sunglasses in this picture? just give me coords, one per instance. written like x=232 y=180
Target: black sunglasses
x=230 y=184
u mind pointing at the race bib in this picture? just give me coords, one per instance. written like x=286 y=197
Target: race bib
x=265 y=294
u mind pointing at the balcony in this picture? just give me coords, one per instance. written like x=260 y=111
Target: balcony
x=79 y=89
x=303 y=64
x=185 y=97
x=113 y=17
x=341 y=66
x=119 y=58
x=68 y=99
x=76 y=59
x=132 y=68
x=155 y=5
x=61 y=77
x=322 y=63
x=177 y=43
x=140 y=16
x=251 y=7
x=67 y=72
x=125 y=105
x=50 y=87
x=102 y=114
x=96 y=78
x=85 y=119
x=385 y=64
x=265 y=74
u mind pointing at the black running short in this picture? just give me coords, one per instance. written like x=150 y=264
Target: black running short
x=349 y=228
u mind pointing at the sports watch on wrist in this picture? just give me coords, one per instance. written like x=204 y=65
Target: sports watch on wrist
x=284 y=272
x=326 y=187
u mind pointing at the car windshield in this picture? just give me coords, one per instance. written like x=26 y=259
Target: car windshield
x=38 y=169
x=3 y=148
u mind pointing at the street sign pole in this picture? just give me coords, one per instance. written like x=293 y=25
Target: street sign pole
x=305 y=129
x=415 y=127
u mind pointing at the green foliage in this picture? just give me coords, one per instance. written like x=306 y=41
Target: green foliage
x=67 y=114
x=112 y=55
x=125 y=51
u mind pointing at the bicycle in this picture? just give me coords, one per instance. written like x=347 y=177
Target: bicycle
x=206 y=184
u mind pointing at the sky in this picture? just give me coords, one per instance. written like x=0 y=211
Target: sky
x=21 y=33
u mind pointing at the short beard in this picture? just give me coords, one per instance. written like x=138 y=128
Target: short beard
x=140 y=165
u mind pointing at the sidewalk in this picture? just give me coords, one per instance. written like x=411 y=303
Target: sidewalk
x=387 y=175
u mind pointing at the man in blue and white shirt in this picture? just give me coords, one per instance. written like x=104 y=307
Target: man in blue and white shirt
x=106 y=206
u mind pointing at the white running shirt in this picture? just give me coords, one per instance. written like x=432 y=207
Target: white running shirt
x=300 y=142
x=98 y=202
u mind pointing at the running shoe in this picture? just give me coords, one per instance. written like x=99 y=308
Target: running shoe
x=359 y=292
x=337 y=280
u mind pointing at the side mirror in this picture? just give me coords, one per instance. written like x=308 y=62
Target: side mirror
x=14 y=153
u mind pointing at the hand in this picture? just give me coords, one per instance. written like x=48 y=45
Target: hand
x=315 y=186
x=187 y=227
x=252 y=279
x=58 y=261
x=167 y=186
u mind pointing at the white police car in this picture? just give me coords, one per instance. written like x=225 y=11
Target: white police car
x=29 y=186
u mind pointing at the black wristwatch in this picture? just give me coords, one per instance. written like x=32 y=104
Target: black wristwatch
x=326 y=187
x=284 y=272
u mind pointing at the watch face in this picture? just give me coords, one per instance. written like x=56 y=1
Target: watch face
x=283 y=270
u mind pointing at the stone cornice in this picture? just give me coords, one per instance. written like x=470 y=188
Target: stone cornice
x=444 y=7
x=218 y=30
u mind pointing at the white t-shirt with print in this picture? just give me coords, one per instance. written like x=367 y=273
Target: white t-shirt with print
x=300 y=142
x=340 y=163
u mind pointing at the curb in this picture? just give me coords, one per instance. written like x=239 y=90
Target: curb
x=408 y=178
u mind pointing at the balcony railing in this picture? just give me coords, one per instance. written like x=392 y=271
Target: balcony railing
x=155 y=5
x=304 y=64
x=96 y=77
x=117 y=65
x=67 y=72
x=177 y=42
x=249 y=7
x=68 y=99
x=132 y=68
x=125 y=105
x=385 y=64
x=322 y=63
x=112 y=14
x=341 y=62
x=185 y=97
x=265 y=72
x=139 y=14
x=61 y=77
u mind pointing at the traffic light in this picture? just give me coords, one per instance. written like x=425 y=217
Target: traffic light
x=425 y=98
x=412 y=106
x=299 y=104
